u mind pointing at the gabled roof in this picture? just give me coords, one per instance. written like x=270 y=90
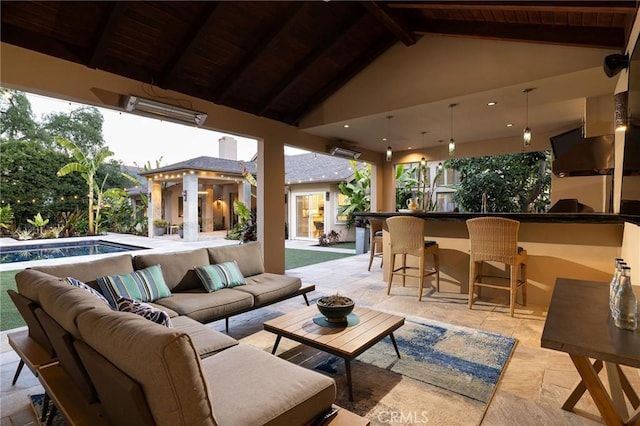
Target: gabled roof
x=306 y=168
x=208 y=164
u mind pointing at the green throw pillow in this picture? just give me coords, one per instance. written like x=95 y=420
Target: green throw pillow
x=219 y=276
x=144 y=285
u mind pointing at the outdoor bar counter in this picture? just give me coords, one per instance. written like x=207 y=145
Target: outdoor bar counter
x=573 y=245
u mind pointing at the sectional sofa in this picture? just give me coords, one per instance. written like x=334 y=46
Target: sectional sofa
x=137 y=371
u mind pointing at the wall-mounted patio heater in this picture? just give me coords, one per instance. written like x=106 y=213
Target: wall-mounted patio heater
x=339 y=151
x=155 y=109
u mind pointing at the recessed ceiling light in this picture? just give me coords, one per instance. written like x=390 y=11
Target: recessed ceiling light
x=509 y=124
x=346 y=126
x=408 y=147
x=492 y=103
x=384 y=139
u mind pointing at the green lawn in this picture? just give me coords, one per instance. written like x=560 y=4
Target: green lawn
x=10 y=318
x=295 y=258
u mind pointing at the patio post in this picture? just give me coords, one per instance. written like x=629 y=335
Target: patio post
x=190 y=203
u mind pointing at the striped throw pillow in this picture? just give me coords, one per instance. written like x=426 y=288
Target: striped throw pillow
x=124 y=304
x=219 y=276
x=77 y=283
x=144 y=285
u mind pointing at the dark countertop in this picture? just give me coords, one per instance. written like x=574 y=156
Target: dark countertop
x=595 y=218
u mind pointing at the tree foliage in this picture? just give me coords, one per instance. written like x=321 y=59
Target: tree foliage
x=16 y=120
x=82 y=126
x=513 y=182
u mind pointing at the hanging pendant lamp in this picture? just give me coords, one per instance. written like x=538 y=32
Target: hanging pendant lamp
x=423 y=161
x=526 y=134
x=452 y=142
x=389 y=150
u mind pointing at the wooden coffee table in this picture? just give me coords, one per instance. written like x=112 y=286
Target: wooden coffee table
x=345 y=342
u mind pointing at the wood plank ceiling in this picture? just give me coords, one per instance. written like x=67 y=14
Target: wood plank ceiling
x=282 y=59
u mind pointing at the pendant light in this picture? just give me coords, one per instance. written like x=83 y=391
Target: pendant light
x=423 y=161
x=526 y=134
x=440 y=162
x=389 y=151
x=452 y=142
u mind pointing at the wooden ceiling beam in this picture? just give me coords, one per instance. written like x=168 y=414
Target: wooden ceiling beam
x=626 y=7
x=105 y=33
x=346 y=74
x=198 y=30
x=299 y=70
x=31 y=40
x=600 y=37
x=267 y=39
x=392 y=20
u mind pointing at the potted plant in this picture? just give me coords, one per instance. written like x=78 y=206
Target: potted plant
x=159 y=227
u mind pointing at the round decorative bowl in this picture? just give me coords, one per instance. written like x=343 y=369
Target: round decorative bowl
x=335 y=308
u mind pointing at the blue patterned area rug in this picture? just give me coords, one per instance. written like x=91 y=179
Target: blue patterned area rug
x=36 y=403
x=462 y=360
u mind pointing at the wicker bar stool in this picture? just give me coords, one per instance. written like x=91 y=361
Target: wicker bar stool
x=495 y=239
x=406 y=235
x=375 y=236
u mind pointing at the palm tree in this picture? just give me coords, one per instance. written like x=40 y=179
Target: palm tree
x=86 y=166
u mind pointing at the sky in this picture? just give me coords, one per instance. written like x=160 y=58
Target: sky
x=138 y=140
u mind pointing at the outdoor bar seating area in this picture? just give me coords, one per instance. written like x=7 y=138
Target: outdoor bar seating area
x=457 y=311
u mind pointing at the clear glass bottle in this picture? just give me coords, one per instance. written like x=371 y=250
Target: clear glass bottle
x=626 y=303
x=613 y=286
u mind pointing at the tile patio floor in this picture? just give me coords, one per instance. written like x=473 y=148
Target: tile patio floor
x=533 y=388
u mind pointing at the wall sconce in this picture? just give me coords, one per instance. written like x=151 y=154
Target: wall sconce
x=218 y=200
x=184 y=195
x=148 y=196
x=621 y=101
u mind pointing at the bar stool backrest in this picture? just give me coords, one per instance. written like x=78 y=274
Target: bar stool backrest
x=406 y=235
x=493 y=239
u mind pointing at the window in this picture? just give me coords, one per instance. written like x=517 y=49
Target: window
x=448 y=177
x=343 y=201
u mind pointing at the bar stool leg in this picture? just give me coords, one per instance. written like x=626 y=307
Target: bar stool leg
x=404 y=268
x=421 y=262
x=523 y=267
x=393 y=264
x=436 y=264
x=513 y=292
x=472 y=279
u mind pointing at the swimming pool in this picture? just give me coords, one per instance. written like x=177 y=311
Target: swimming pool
x=25 y=253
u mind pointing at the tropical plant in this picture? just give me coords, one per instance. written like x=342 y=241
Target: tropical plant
x=39 y=222
x=87 y=166
x=357 y=192
x=332 y=237
x=246 y=228
x=24 y=234
x=6 y=219
x=53 y=232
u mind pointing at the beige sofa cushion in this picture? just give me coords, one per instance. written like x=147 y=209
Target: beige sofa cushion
x=89 y=271
x=205 y=307
x=207 y=341
x=30 y=282
x=248 y=256
x=252 y=387
x=267 y=287
x=177 y=268
x=64 y=303
x=166 y=364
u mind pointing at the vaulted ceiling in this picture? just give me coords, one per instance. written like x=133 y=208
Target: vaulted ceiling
x=282 y=59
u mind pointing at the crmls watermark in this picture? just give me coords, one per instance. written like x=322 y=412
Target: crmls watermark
x=403 y=417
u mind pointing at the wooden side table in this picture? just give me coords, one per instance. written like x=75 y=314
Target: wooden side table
x=579 y=323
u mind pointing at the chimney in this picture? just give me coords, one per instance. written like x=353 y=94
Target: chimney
x=228 y=148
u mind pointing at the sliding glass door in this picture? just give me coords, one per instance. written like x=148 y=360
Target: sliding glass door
x=309 y=212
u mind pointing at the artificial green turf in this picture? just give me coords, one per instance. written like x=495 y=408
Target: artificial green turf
x=295 y=258
x=9 y=315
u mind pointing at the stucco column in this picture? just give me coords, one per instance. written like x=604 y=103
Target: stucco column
x=270 y=203
x=208 y=216
x=190 y=207
x=154 y=209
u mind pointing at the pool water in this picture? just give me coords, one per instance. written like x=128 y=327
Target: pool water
x=26 y=253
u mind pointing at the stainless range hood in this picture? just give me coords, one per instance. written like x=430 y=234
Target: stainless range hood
x=578 y=156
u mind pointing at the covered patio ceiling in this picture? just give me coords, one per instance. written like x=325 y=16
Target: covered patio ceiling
x=283 y=60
